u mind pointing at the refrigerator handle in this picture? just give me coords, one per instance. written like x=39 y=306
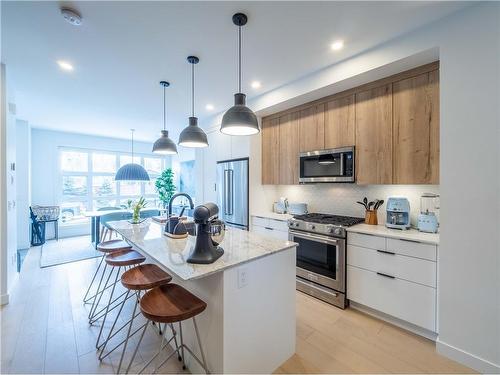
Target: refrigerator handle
x=231 y=192
x=225 y=191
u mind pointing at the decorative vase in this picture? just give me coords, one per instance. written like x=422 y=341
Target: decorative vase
x=371 y=217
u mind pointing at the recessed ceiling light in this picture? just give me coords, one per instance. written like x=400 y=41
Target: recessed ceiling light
x=64 y=65
x=209 y=107
x=255 y=84
x=337 y=45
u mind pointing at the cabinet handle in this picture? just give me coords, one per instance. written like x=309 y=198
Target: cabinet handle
x=385 y=275
x=269 y=228
x=414 y=241
x=386 y=252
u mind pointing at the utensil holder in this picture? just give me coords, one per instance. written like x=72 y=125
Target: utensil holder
x=371 y=217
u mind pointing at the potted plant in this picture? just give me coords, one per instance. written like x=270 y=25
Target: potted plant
x=165 y=186
x=136 y=210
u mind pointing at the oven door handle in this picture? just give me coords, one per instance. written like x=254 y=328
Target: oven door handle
x=314 y=238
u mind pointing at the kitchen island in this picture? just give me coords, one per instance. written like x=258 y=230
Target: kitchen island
x=249 y=324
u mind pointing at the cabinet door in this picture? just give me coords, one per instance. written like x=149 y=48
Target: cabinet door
x=374 y=136
x=312 y=128
x=270 y=151
x=339 y=123
x=289 y=149
x=416 y=129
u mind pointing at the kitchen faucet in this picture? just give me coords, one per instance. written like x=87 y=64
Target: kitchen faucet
x=191 y=204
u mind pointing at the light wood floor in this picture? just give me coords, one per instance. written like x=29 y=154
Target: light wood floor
x=45 y=330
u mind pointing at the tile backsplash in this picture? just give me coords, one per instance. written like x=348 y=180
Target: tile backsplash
x=341 y=199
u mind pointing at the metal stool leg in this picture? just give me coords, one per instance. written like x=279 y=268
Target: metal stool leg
x=199 y=344
x=182 y=347
x=98 y=289
x=93 y=279
x=97 y=344
x=128 y=336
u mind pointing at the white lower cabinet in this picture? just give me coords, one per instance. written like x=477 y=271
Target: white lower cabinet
x=270 y=227
x=414 y=303
x=395 y=277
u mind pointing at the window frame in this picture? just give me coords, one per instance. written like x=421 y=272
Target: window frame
x=90 y=197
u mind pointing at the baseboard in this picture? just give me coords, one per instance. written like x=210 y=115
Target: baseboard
x=4 y=299
x=467 y=359
x=395 y=321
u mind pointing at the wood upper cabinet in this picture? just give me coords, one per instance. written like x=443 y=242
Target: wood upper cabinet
x=416 y=129
x=374 y=135
x=339 y=122
x=312 y=128
x=289 y=149
x=270 y=151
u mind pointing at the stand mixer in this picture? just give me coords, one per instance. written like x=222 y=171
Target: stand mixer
x=208 y=227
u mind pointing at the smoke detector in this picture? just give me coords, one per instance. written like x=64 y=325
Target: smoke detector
x=71 y=16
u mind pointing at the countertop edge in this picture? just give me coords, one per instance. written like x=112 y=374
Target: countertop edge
x=272 y=215
x=292 y=245
x=382 y=231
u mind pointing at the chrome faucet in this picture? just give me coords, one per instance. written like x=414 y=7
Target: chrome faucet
x=191 y=204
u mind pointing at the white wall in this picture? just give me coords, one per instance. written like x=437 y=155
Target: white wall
x=44 y=165
x=468 y=46
x=8 y=231
x=23 y=166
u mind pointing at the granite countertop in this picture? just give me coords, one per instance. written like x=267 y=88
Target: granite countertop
x=273 y=215
x=383 y=231
x=239 y=246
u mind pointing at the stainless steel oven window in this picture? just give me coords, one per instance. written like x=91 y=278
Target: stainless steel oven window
x=315 y=271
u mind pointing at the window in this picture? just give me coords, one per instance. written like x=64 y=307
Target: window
x=88 y=182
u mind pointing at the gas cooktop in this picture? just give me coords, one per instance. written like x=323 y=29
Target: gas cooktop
x=345 y=221
x=331 y=225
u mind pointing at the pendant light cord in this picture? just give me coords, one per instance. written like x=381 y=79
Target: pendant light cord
x=192 y=90
x=164 y=111
x=239 y=59
x=132 y=130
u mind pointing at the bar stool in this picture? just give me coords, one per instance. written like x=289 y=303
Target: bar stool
x=136 y=280
x=118 y=259
x=105 y=248
x=171 y=303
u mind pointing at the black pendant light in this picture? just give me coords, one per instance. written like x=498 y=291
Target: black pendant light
x=132 y=171
x=164 y=145
x=193 y=135
x=239 y=119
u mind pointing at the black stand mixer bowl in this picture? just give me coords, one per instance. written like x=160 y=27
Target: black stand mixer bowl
x=205 y=251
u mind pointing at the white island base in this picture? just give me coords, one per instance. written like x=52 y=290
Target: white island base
x=249 y=324
x=246 y=328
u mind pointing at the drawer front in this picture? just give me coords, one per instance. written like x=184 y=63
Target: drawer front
x=402 y=299
x=279 y=225
x=412 y=249
x=270 y=232
x=262 y=221
x=366 y=240
x=403 y=267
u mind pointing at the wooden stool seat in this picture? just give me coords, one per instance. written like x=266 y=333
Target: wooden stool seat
x=113 y=245
x=170 y=303
x=145 y=276
x=123 y=258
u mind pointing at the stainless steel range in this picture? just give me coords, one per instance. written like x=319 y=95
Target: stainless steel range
x=321 y=257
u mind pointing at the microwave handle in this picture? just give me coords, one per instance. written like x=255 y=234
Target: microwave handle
x=341 y=164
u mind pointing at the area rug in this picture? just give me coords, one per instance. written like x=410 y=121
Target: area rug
x=67 y=250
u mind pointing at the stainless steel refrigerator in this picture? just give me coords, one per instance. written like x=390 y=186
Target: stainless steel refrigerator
x=232 y=192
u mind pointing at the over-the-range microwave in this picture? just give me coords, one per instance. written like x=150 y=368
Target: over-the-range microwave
x=333 y=165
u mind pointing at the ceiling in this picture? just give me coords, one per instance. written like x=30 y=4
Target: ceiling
x=123 y=49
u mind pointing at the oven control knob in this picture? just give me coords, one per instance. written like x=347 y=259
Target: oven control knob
x=337 y=231
x=313 y=227
x=297 y=224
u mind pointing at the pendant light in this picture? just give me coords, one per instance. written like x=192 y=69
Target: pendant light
x=164 y=145
x=132 y=171
x=193 y=135
x=239 y=119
